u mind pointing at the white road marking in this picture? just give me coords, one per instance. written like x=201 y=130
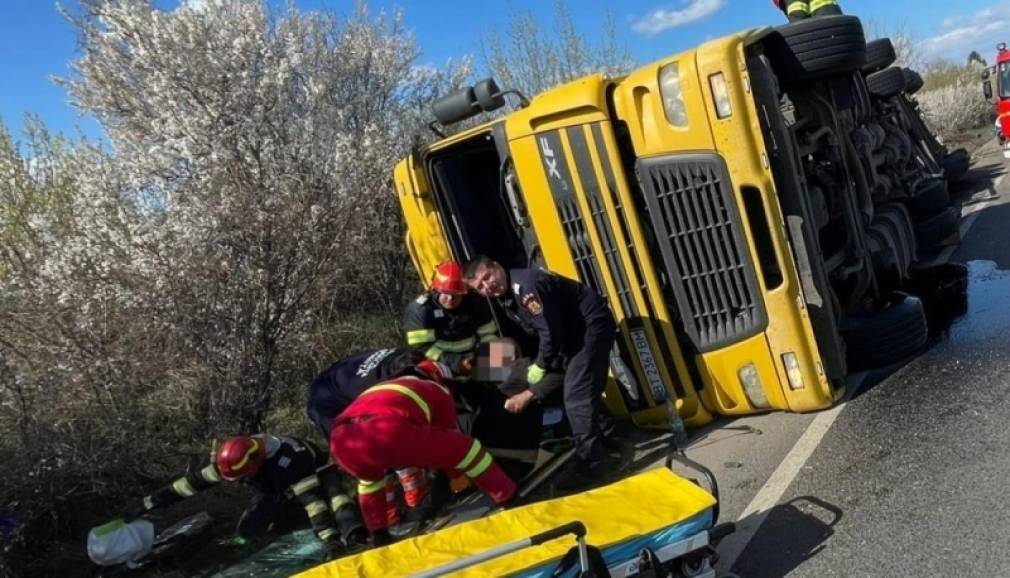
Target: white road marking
x=768 y=496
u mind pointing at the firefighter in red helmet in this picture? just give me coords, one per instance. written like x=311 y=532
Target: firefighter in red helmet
x=278 y=468
x=447 y=322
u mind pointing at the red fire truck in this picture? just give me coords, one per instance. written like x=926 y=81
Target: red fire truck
x=996 y=85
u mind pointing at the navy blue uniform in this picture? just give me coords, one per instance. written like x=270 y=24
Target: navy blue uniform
x=576 y=332
x=341 y=383
x=448 y=335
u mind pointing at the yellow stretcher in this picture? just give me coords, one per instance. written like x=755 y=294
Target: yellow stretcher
x=656 y=515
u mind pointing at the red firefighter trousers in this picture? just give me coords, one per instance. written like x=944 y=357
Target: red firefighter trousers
x=408 y=422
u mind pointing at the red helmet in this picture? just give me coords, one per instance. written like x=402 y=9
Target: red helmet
x=437 y=372
x=240 y=457
x=448 y=278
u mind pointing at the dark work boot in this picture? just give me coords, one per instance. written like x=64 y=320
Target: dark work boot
x=352 y=530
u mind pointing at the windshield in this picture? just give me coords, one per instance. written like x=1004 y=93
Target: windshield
x=1004 y=80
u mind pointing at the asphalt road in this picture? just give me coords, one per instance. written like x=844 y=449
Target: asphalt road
x=910 y=476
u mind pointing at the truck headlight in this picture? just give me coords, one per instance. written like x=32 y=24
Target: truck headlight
x=752 y=386
x=720 y=93
x=673 y=95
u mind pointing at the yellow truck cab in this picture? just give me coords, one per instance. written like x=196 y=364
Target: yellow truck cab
x=677 y=192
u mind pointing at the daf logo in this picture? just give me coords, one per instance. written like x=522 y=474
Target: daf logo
x=550 y=159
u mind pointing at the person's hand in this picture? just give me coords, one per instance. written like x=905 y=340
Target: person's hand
x=518 y=402
x=467 y=364
x=534 y=374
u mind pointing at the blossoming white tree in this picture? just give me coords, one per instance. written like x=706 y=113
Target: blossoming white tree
x=177 y=284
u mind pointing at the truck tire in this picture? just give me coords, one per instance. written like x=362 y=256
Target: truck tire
x=879 y=55
x=886 y=83
x=930 y=198
x=818 y=47
x=933 y=231
x=887 y=336
x=913 y=80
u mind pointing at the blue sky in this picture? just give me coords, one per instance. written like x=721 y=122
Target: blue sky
x=37 y=43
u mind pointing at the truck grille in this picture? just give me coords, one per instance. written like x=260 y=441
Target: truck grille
x=698 y=229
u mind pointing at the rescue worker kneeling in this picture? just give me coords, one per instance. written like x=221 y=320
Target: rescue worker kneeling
x=278 y=468
x=409 y=421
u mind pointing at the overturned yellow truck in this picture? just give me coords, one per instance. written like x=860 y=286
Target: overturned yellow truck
x=718 y=217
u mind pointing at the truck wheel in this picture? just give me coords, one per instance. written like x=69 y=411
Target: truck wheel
x=930 y=198
x=913 y=80
x=887 y=336
x=879 y=55
x=940 y=227
x=819 y=47
x=886 y=83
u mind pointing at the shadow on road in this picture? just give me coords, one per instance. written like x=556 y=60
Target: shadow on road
x=791 y=534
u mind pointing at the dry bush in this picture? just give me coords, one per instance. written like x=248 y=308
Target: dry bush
x=952 y=102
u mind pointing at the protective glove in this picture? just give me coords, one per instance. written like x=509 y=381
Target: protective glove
x=534 y=374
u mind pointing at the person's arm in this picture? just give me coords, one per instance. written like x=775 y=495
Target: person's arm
x=178 y=490
x=420 y=333
x=544 y=314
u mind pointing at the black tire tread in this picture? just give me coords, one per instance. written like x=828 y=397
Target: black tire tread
x=879 y=55
x=886 y=337
x=886 y=83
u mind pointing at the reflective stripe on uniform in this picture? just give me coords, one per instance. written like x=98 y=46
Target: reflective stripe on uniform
x=366 y=487
x=797 y=6
x=405 y=391
x=183 y=487
x=337 y=502
x=433 y=353
x=327 y=533
x=487 y=328
x=305 y=485
x=458 y=346
x=209 y=474
x=470 y=456
x=816 y=5
x=481 y=466
x=315 y=508
x=419 y=336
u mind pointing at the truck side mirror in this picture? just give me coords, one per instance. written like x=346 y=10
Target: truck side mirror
x=455 y=106
x=488 y=95
x=987 y=90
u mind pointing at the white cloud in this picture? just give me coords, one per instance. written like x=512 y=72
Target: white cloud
x=980 y=32
x=663 y=19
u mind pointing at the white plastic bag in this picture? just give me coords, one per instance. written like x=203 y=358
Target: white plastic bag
x=118 y=542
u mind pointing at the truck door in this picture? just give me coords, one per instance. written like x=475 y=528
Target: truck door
x=425 y=237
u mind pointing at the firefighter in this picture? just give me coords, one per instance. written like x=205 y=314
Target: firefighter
x=409 y=421
x=278 y=468
x=576 y=332
x=341 y=383
x=803 y=9
x=447 y=322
